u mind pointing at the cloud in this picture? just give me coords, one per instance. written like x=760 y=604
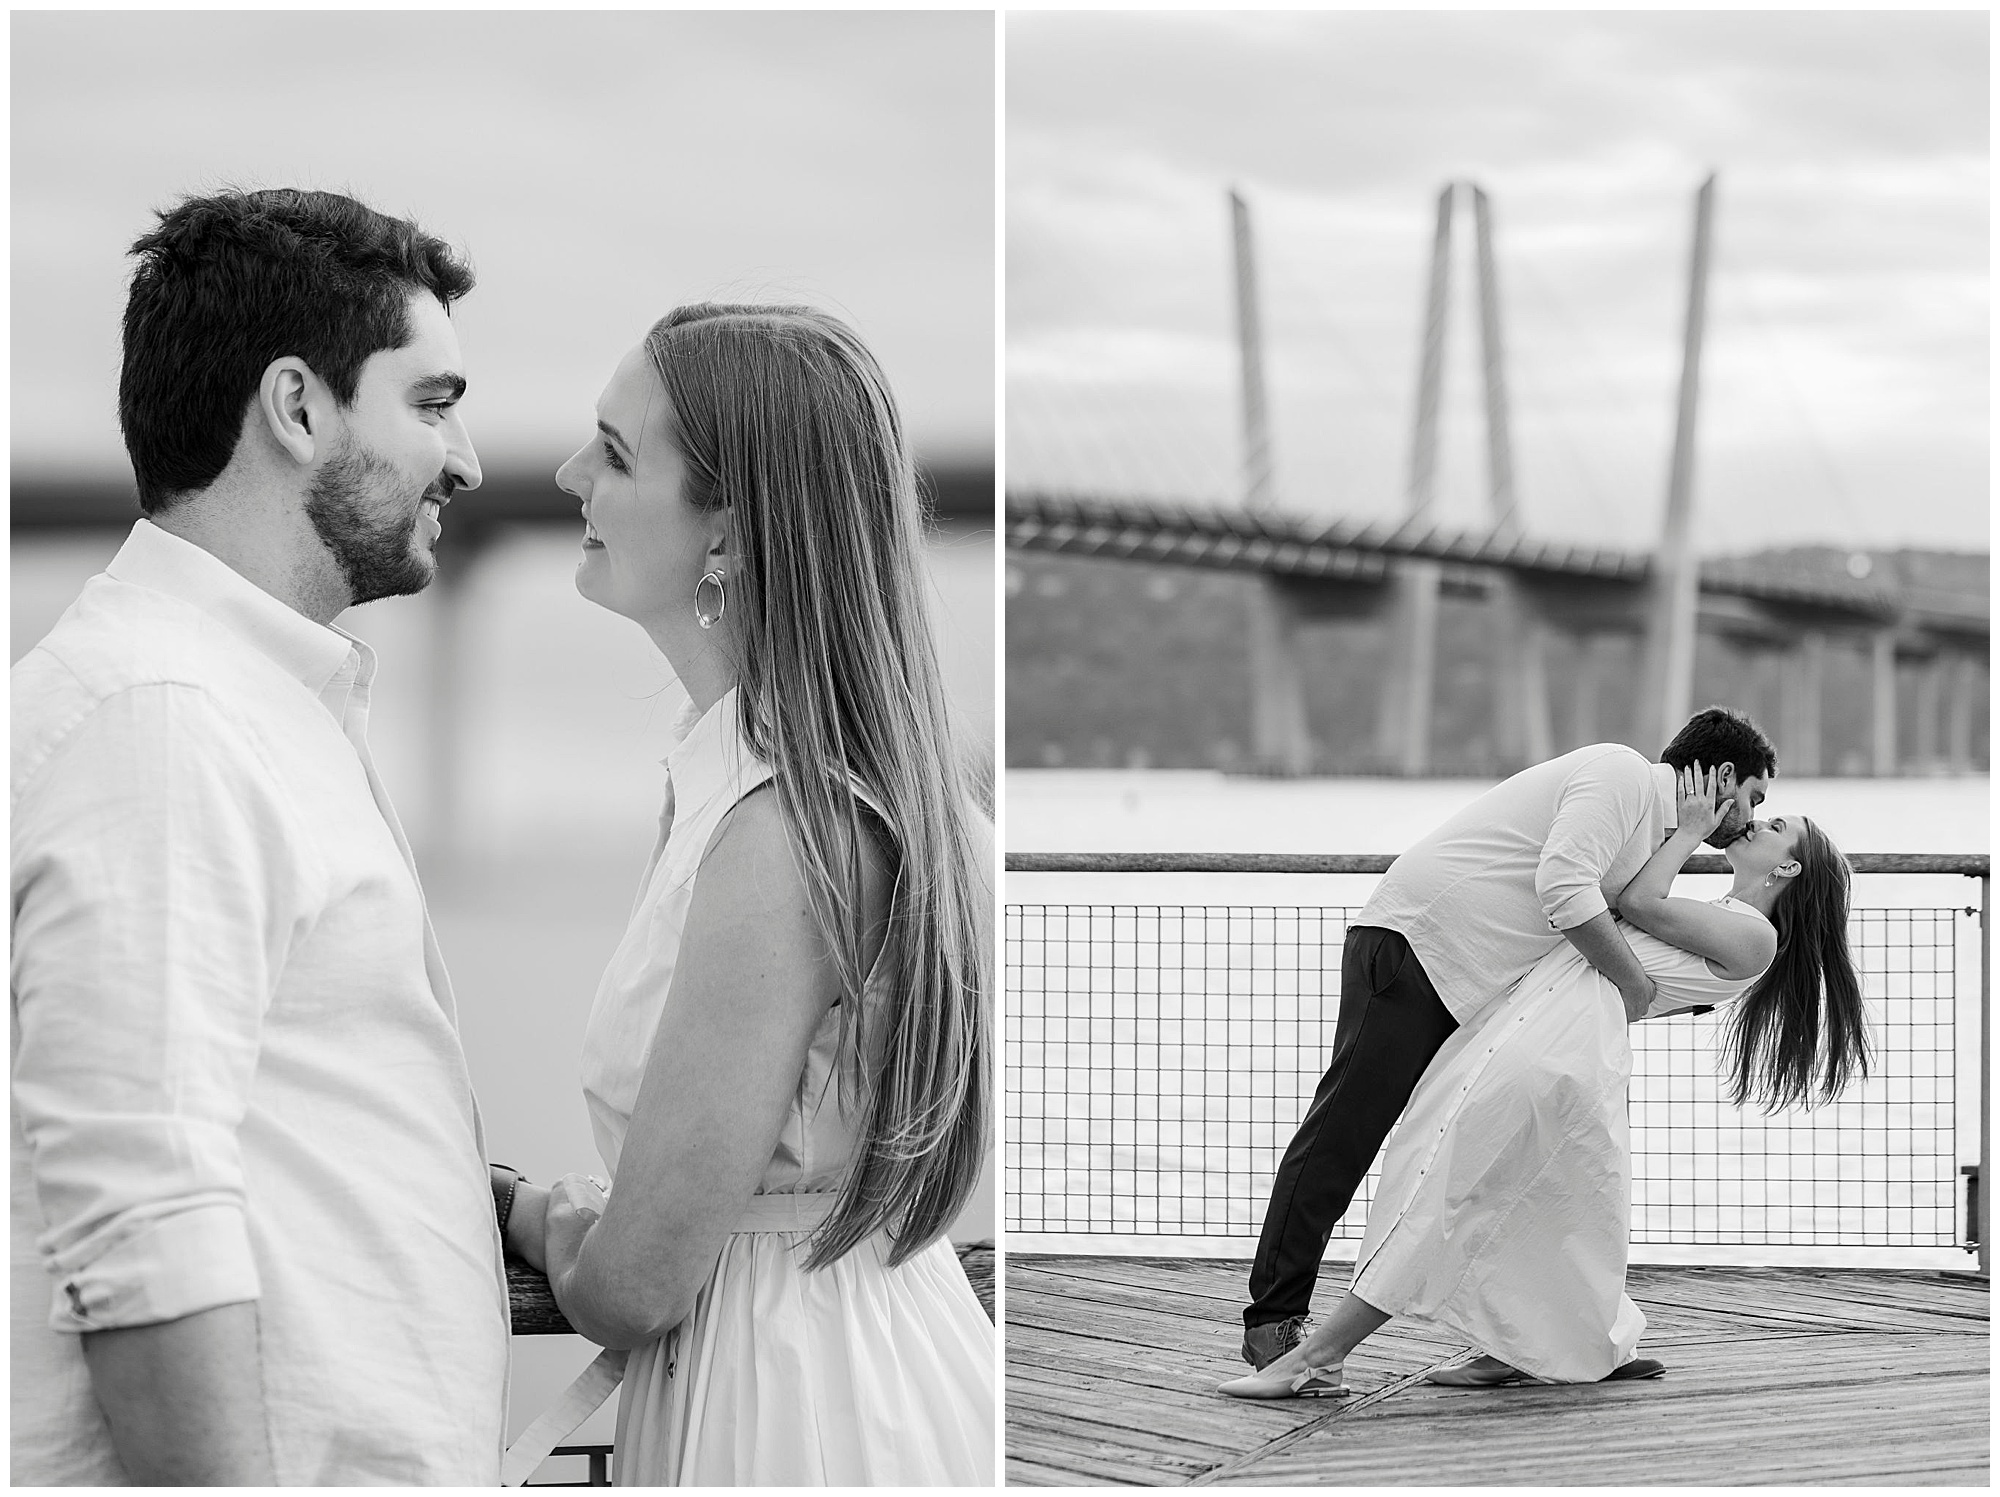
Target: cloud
x=1847 y=335
x=598 y=167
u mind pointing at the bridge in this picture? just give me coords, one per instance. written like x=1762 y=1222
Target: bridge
x=1315 y=570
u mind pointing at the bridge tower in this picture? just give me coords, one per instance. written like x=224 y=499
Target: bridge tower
x=1404 y=728
x=1668 y=678
x=1278 y=736
x=1523 y=733
x=1521 y=711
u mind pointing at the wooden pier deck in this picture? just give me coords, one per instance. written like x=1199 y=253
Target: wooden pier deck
x=1815 y=1377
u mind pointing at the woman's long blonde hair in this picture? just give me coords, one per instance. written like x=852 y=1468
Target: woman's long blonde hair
x=782 y=414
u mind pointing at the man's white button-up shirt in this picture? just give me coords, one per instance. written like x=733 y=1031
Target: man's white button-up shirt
x=236 y=1064
x=1489 y=893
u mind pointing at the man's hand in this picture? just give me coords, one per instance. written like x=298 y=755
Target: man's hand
x=1701 y=805
x=185 y=1399
x=1637 y=1001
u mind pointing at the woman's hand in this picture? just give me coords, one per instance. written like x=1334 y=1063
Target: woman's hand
x=575 y=1205
x=1698 y=813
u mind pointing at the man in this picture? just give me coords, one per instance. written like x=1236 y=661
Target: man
x=253 y=1235
x=1455 y=922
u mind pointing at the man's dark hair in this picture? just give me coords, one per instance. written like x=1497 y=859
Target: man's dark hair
x=229 y=282
x=1716 y=735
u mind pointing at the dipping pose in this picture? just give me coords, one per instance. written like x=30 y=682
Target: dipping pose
x=1505 y=1200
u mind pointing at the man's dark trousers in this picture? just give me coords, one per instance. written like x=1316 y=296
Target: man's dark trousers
x=1391 y=1023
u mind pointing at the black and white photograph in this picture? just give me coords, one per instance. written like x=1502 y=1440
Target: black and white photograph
x=503 y=640
x=1497 y=732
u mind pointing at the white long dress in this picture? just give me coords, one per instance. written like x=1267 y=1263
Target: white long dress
x=856 y=1374
x=1504 y=1208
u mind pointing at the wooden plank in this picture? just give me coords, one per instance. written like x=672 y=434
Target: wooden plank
x=1099 y=1461
x=1817 y=1417
x=1821 y=1377
x=1808 y=1298
x=1551 y=1454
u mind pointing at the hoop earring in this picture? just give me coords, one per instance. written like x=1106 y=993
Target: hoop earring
x=705 y=617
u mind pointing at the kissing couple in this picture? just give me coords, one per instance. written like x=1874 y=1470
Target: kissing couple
x=1486 y=990
x=256 y=1235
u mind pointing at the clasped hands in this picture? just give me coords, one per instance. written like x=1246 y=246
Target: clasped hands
x=548 y=1224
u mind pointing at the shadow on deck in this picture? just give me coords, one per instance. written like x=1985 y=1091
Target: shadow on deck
x=1774 y=1376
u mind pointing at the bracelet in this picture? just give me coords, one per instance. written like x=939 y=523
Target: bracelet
x=505 y=1180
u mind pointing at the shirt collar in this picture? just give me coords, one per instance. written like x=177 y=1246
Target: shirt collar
x=709 y=752
x=1666 y=787
x=162 y=562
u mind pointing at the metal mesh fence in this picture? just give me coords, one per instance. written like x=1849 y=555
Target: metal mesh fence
x=1159 y=1057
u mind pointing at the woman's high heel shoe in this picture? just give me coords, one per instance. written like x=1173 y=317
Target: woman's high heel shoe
x=1313 y=1382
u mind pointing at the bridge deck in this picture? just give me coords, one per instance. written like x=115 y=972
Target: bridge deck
x=1775 y=1376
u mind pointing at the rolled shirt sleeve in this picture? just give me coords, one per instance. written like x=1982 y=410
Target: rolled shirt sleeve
x=156 y=883
x=1600 y=807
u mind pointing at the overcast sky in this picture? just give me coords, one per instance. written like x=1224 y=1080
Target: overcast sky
x=1845 y=390
x=600 y=168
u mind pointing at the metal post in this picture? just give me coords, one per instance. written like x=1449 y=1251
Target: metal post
x=1669 y=678
x=1985 y=1071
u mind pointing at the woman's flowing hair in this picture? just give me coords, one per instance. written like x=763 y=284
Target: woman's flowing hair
x=782 y=414
x=1804 y=1016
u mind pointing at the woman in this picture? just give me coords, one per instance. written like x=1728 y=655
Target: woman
x=786 y=1062
x=1503 y=1211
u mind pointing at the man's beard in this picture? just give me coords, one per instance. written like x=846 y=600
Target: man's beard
x=375 y=549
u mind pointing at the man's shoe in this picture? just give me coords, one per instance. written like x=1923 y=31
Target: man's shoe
x=1637 y=1367
x=1264 y=1344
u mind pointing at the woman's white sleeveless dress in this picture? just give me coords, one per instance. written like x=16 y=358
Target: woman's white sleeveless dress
x=1505 y=1203
x=856 y=1374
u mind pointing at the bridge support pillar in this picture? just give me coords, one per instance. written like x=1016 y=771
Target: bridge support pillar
x=1882 y=654
x=1930 y=681
x=1278 y=737
x=1962 y=689
x=447 y=601
x=1801 y=687
x=1586 y=709
x=1521 y=728
x=1404 y=726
